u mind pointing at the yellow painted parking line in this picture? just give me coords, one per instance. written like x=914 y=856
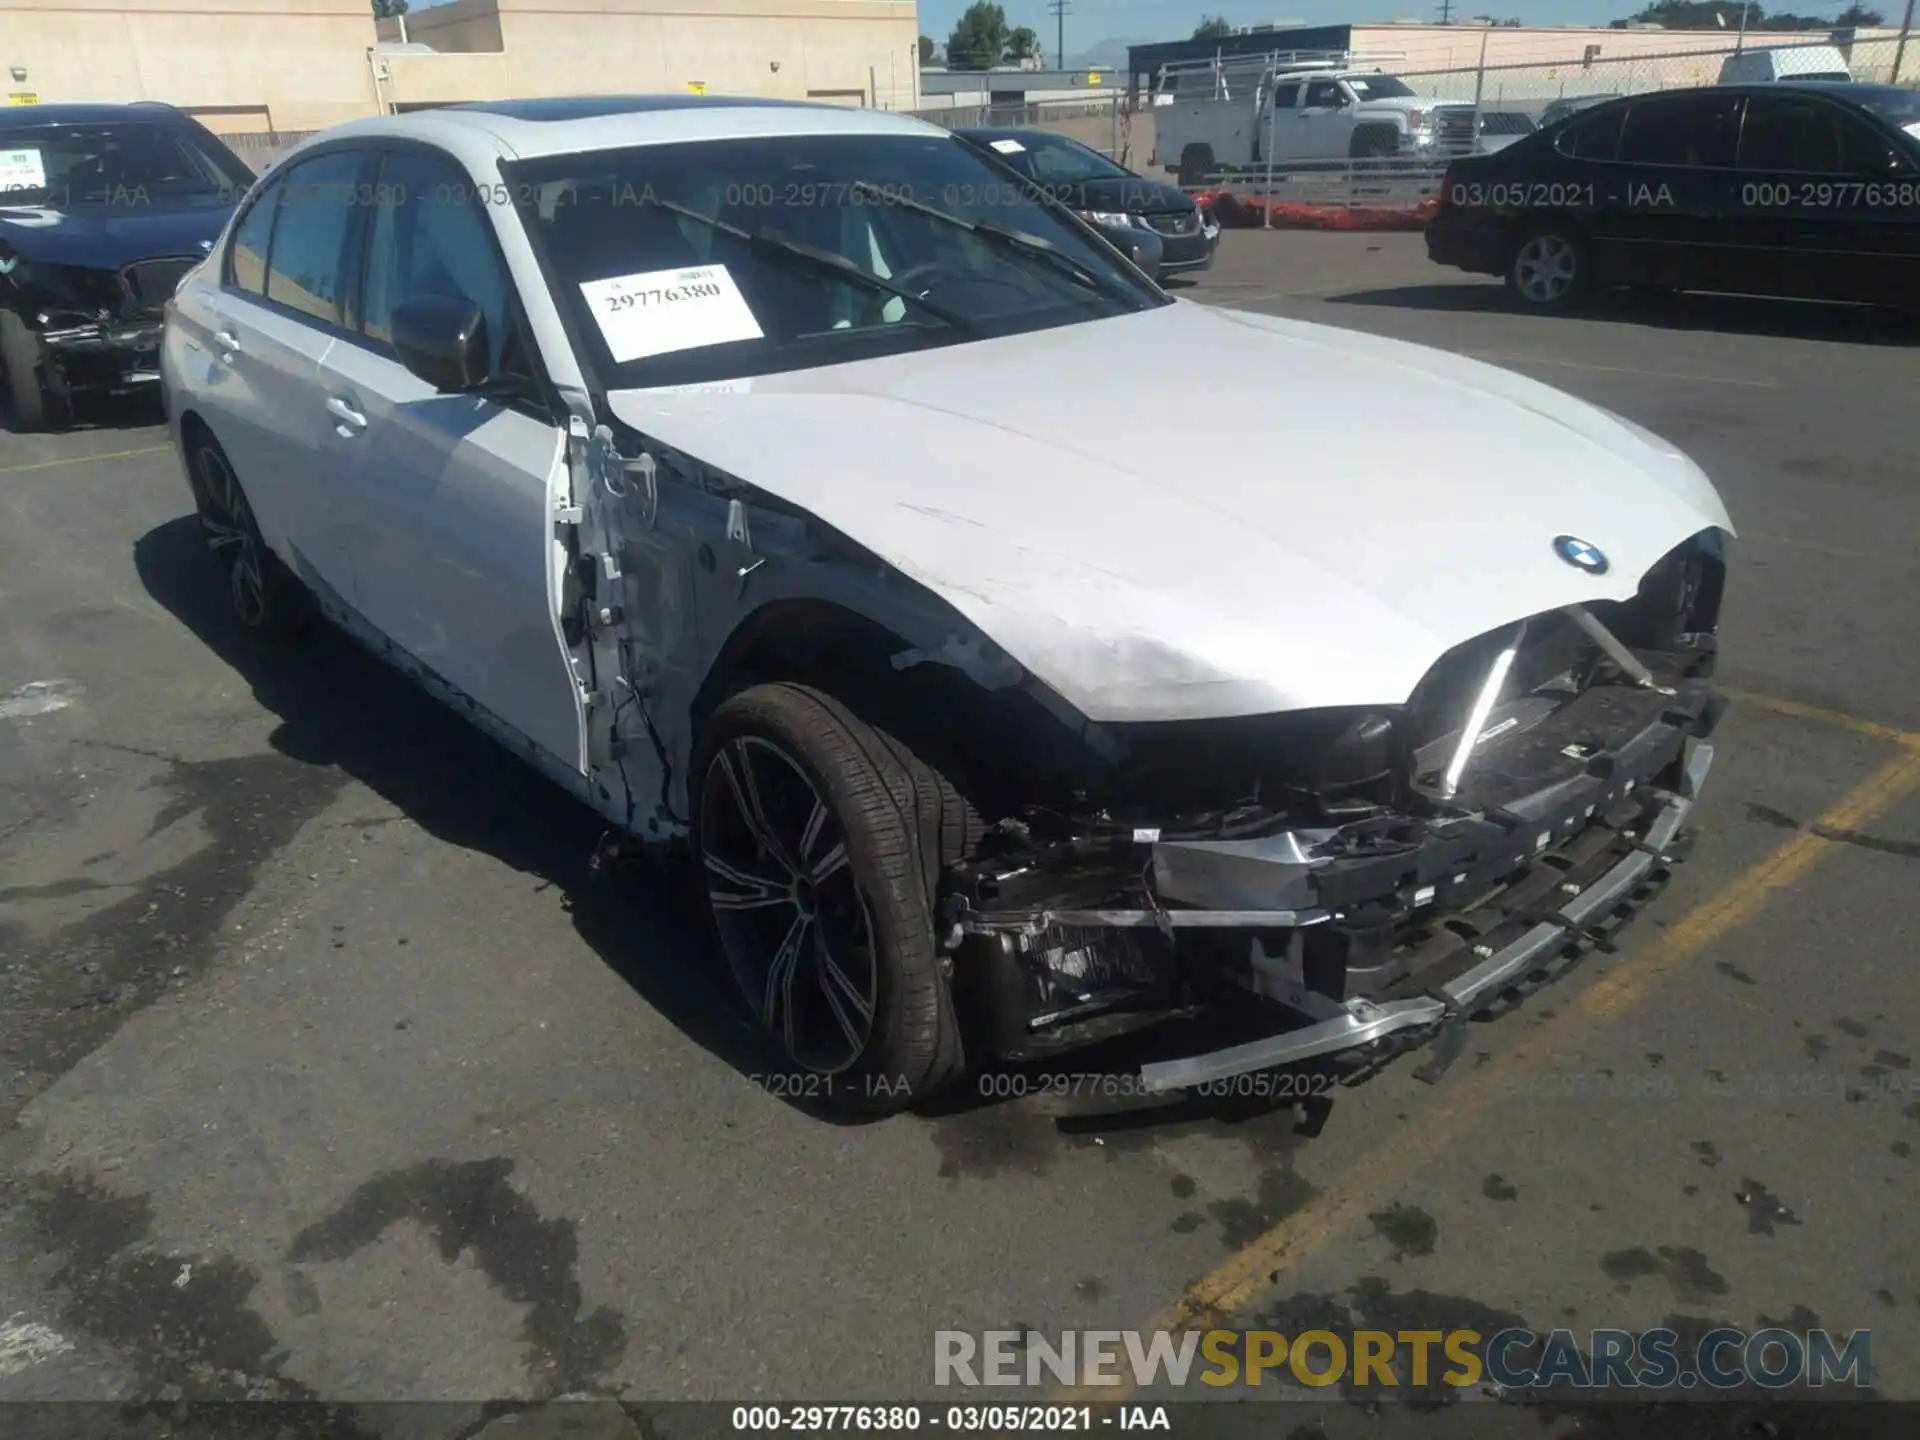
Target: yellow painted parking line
x=1463 y=1101
x=83 y=459
x=1814 y=713
x=1503 y=357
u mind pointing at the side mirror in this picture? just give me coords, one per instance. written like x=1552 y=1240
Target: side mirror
x=443 y=340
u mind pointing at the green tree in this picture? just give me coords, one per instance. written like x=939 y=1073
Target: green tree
x=1022 y=44
x=1212 y=27
x=979 y=37
x=927 y=49
x=387 y=9
x=1860 y=17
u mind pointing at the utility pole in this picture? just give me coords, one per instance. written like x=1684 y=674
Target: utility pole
x=1900 y=50
x=1446 y=12
x=1058 y=9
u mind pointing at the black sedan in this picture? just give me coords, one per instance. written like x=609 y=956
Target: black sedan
x=1158 y=223
x=102 y=209
x=1800 y=190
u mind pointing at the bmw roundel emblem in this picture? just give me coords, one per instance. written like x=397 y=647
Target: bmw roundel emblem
x=1581 y=554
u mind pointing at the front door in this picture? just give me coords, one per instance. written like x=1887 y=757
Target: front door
x=452 y=495
x=1668 y=190
x=1810 y=211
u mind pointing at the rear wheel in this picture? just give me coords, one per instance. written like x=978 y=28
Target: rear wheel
x=35 y=404
x=263 y=595
x=1550 y=269
x=820 y=840
x=1196 y=164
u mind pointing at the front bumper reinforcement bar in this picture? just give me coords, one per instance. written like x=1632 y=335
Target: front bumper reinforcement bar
x=1451 y=1003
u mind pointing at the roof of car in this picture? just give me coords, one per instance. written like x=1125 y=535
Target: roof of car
x=34 y=117
x=484 y=131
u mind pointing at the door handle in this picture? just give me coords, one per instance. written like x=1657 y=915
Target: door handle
x=228 y=342
x=352 y=421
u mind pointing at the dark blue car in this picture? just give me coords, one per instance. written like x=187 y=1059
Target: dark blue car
x=102 y=209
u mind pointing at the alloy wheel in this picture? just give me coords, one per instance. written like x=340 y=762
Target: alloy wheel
x=1545 y=268
x=793 y=923
x=228 y=524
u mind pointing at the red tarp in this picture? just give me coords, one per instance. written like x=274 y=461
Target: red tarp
x=1242 y=210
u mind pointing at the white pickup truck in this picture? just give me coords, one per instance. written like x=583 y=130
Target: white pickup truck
x=1230 y=114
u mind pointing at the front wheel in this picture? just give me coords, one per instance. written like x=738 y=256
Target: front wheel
x=820 y=839
x=35 y=404
x=1550 y=269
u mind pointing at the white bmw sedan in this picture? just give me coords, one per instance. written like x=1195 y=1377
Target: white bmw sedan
x=1022 y=655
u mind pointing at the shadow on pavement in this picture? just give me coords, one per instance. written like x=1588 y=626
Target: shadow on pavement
x=340 y=707
x=1690 y=310
x=136 y=410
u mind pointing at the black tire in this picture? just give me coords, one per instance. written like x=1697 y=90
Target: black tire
x=780 y=749
x=1374 y=142
x=34 y=404
x=262 y=593
x=1551 y=268
x=1196 y=164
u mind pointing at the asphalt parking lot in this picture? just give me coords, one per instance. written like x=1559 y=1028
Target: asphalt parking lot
x=329 y=1068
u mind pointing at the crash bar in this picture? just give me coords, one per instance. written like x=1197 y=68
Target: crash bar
x=1364 y=1021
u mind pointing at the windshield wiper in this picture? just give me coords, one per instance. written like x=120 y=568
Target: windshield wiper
x=1005 y=239
x=771 y=240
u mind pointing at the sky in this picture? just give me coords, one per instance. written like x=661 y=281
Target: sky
x=1088 y=22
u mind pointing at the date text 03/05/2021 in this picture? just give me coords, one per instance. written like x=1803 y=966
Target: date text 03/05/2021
x=963 y=1419
x=1015 y=1085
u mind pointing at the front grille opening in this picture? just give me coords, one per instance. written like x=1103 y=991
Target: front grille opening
x=150 y=283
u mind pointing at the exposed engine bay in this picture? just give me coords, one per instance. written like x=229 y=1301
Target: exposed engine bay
x=1381 y=873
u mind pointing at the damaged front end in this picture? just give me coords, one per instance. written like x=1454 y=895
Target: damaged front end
x=97 y=329
x=1378 y=876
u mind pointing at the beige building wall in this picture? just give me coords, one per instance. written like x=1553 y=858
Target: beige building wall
x=295 y=65
x=241 y=65
x=854 y=51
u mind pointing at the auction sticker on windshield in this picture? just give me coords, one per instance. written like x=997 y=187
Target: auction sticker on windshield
x=1007 y=147
x=661 y=311
x=22 y=170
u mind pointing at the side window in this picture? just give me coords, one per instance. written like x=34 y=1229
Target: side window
x=1801 y=133
x=430 y=238
x=1690 y=131
x=1597 y=137
x=1326 y=94
x=1285 y=97
x=309 y=233
x=247 y=255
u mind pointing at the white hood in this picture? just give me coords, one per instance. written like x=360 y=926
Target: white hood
x=1193 y=512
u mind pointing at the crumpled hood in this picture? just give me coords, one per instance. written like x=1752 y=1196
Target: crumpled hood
x=1194 y=512
x=109 y=236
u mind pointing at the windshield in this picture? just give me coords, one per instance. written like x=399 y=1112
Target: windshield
x=131 y=163
x=716 y=260
x=1054 y=160
x=1377 y=87
x=1901 y=107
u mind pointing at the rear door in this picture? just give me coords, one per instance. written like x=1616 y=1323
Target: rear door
x=1817 y=211
x=1672 y=172
x=1326 y=128
x=278 y=310
x=451 y=496
x=1275 y=132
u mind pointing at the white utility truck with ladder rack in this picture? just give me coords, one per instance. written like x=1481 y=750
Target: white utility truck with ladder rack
x=1237 y=112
